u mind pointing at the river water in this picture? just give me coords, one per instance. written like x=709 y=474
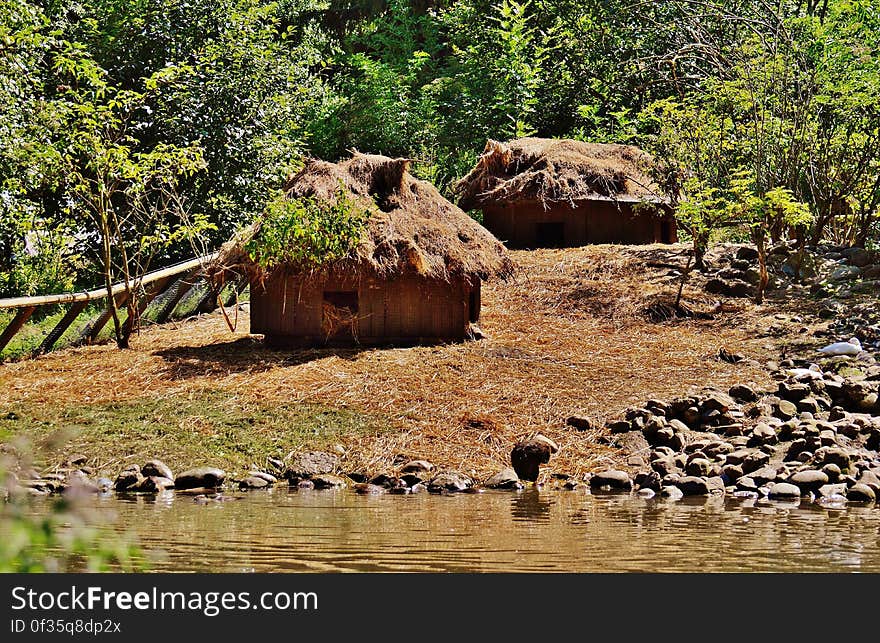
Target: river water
x=526 y=531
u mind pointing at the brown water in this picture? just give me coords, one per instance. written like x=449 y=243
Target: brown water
x=339 y=531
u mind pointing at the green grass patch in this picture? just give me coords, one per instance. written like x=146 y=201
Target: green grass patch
x=184 y=430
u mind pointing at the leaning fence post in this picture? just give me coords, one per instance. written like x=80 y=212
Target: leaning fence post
x=181 y=288
x=15 y=325
x=56 y=333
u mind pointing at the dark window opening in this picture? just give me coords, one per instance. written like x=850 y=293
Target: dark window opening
x=550 y=234
x=339 y=314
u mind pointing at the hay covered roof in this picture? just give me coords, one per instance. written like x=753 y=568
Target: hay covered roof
x=557 y=170
x=411 y=227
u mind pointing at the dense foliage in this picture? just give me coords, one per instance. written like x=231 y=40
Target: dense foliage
x=129 y=128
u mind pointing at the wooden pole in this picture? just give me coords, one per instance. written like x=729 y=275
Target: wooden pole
x=15 y=325
x=56 y=333
x=180 y=288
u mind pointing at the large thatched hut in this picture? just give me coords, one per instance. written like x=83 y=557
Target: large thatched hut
x=413 y=277
x=538 y=192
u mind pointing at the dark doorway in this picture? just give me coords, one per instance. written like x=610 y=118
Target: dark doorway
x=339 y=313
x=474 y=304
x=666 y=230
x=550 y=234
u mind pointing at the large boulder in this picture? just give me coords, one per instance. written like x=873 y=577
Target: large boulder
x=504 y=479
x=311 y=463
x=206 y=477
x=450 y=481
x=611 y=479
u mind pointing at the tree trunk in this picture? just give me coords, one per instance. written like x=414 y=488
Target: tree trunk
x=759 y=237
x=701 y=245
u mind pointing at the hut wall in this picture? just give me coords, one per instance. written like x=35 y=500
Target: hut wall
x=528 y=224
x=406 y=310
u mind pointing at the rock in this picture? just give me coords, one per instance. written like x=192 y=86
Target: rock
x=693 y=486
x=833 y=455
x=743 y=393
x=311 y=463
x=253 y=482
x=785 y=410
x=612 y=479
x=208 y=477
x=451 y=481
x=809 y=480
x=746 y=483
x=619 y=426
x=328 y=481
x=731 y=473
x=365 y=488
x=832 y=471
x=861 y=493
x=715 y=485
x=528 y=455
x=754 y=461
x=716 y=401
x=747 y=253
x=843 y=273
x=268 y=477
x=857 y=256
x=157 y=468
x=763 y=434
x=672 y=493
x=783 y=491
x=698 y=467
x=832 y=490
x=417 y=466
x=128 y=477
x=504 y=479
x=871 y=272
x=764 y=475
x=647 y=480
x=647 y=493
x=580 y=422
x=153 y=484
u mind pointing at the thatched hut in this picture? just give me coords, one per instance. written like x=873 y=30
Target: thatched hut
x=413 y=277
x=538 y=192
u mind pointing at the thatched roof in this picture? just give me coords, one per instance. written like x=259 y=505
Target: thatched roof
x=557 y=170
x=411 y=227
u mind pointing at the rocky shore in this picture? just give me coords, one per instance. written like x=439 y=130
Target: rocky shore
x=816 y=436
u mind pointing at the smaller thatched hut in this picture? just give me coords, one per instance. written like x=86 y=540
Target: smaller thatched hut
x=538 y=192
x=413 y=277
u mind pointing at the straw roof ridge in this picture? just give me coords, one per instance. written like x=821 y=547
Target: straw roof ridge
x=557 y=170
x=411 y=227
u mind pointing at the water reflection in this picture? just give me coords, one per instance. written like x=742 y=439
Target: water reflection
x=531 y=505
x=531 y=530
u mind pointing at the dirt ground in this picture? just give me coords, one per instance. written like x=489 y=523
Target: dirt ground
x=568 y=335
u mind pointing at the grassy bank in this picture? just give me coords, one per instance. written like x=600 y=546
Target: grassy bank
x=185 y=430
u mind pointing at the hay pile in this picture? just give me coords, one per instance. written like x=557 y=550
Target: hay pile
x=557 y=170
x=411 y=227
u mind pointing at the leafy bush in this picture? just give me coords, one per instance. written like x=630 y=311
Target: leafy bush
x=305 y=232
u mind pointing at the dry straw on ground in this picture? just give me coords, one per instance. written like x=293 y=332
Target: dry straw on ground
x=567 y=336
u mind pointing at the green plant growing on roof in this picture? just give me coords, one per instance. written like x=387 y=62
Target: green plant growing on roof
x=306 y=232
